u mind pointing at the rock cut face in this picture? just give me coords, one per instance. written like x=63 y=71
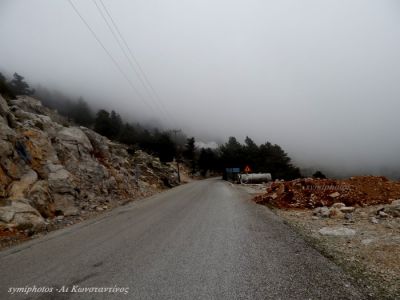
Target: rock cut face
x=48 y=169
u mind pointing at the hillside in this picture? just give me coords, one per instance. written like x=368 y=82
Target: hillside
x=51 y=171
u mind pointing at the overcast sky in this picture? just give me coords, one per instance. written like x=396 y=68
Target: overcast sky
x=319 y=78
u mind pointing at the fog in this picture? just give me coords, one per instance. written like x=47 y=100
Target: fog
x=319 y=78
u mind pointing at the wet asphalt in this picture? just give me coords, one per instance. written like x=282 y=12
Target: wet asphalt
x=202 y=240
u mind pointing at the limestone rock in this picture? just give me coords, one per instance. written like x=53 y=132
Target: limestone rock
x=382 y=214
x=22 y=215
x=374 y=220
x=75 y=138
x=347 y=209
x=40 y=198
x=336 y=213
x=60 y=180
x=19 y=188
x=4 y=109
x=337 y=231
x=338 y=205
x=49 y=167
x=65 y=205
x=334 y=195
x=322 y=212
x=393 y=209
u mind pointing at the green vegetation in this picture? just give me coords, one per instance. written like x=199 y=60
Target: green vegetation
x=5 y=89
x=264 y=158
x=319 y=175
x=19 y=86
x=190 y=154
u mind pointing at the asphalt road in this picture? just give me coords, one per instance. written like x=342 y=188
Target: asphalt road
x=203 y=240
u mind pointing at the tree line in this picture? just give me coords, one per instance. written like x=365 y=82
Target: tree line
x=264 y=158
x=167 y=146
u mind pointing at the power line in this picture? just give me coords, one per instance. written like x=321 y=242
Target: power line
x=108 y=53
x=124 y=51
x=143 y=74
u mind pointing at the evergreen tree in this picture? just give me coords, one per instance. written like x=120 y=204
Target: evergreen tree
x=251 y=151
x=264 y=158
x=80 y=112
x=208 y=161
x=19 y=86
x=102 y=123
x=319 y=174
x=116 y=125
x=5 y=89
x=232 y=154
x=189 y=153
x=165 y=148
x=128 y=135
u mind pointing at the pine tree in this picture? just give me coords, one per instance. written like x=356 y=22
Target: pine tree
x=128 y=135
x=102 y=123
x=80 y=112
x=189 y=153
x=116 y=125
x=19 y=86
x=5 y=89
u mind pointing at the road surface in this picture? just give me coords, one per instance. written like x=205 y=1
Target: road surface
x=203 y=240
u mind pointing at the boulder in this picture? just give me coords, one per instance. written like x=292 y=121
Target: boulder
x=28 y=104
x=4 y=182
x=6 y=133
x=21 y=215
x=40 y=198
x=72 y=146
x=335 y=213
x=338 y=205
x=4 y=109
x=65 y=205
x=374 y=220
x=393 y=209
x=6 y=149
x=36 y=146
x=60 y=180
x=322 y=212
x=19 y=188
x=334 y=195
x=347 y=209
x=13 y=167
x=382 y=214
x=99 y=143
x=367 y=241
x=76 y=137
x=337 y=231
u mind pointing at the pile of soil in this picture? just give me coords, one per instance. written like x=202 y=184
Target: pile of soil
x=310 y=193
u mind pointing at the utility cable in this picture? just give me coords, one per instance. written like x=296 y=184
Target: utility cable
x=141 y=71
x=108 y=53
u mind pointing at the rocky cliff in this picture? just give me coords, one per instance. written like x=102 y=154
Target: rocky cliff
x=49 y=169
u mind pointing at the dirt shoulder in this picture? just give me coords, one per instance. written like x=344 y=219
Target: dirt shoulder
x=355 y=222
x=371 y=255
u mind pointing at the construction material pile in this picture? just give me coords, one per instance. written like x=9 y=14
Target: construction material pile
x=311 y=193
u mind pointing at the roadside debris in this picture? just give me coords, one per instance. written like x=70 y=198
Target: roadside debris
x=312 y=193
x=337 y=231
x=355 y=222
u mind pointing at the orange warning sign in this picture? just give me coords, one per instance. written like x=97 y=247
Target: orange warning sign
x=247 y=169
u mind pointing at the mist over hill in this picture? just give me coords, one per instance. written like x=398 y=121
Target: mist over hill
x=319 y=79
